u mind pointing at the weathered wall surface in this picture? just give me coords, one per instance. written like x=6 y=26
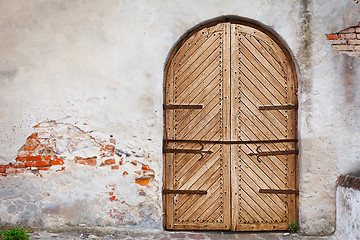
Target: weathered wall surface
x=329 y=122
x=348 y=208
x=347 y=213
x=96 y=67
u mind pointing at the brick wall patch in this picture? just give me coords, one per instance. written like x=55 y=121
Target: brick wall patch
x=348 y=181
x=346 y=41
x=53 y=144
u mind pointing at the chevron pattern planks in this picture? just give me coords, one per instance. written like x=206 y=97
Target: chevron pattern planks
x=230 y=70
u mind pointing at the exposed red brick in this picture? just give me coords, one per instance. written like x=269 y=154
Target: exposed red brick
x=343 y=47
x=3 y=175
x=22 y=153
x=44 y=168
x=19 y=165
x=41 y=163
x=348 y=30
x=339 y=41
x=347 y=35
x=30 y=147
x=133 y=163
x=112 y=198
x=111 y=193
x=145 y=167
x=32 y=136
x=125 y=173
x=149 y=173
x=142 y=181
x=354 y=41
x=3 y=168
x=86 y=161
x=110 y=147
x=62 y=169
x=48 y=158
x=332 y=36
x=15 y=170
x=115 y=167
x=32 y=142
x=57 y=161
x=28 y=158
x=108 y=161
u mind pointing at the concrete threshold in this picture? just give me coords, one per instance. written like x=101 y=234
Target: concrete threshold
x=167 y=235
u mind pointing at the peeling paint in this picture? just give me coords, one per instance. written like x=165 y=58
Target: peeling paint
x=58 y=148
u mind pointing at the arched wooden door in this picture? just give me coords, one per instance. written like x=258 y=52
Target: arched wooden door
x=230 y=129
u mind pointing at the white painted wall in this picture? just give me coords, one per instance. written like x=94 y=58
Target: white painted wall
x=98 y=65
x=347 y=213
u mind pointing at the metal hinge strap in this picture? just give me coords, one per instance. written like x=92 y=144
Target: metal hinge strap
x=168 y=191
x=274 y=153
x=194 y=151
x=278 y=191
x=171 y=106
x=259 y=153
x=278 y=107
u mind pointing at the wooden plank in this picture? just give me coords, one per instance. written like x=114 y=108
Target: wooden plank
x=268 y=122
x=168 y=158
x=196 y=130
x=268 y=209
x=253 y=88
x=185 y=202
x=226 y=124
x=252 y=75
x=270 y=43
x=199 y=119
x=202 y=69
x=201 y=86
x=211 y=47
x=189 y=176
x=193 y=44
x=196 y=207
x=234 y=106
x=262 y=172
x=257 y=51
x=260 y=71
x=292 y=132
x=204 y=182
x=257 y=73
x=205 y=79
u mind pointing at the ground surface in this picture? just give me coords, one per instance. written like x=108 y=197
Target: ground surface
x=172 y=235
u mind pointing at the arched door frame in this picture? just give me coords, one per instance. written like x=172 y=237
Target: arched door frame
x=241 y=21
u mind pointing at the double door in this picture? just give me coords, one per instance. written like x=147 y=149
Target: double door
x=230 y=119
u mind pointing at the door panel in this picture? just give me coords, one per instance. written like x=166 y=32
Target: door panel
x=196 y=78
x=225 y=84
x=261 y=74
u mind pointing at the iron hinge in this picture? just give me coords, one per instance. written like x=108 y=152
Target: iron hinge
x=168 y=191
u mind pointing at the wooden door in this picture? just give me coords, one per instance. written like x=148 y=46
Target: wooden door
x=230 y=132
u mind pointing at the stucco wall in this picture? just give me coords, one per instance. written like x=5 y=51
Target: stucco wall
x=96 y=69
x=347 y=213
